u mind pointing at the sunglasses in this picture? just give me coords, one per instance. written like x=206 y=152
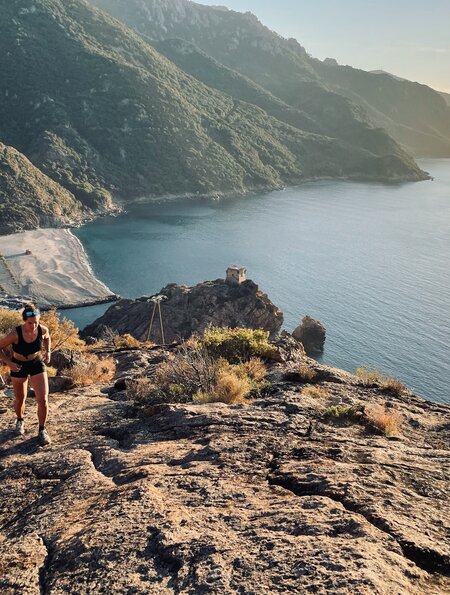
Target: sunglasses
x=32 y=313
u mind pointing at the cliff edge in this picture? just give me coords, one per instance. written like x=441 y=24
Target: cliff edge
x=263 y=497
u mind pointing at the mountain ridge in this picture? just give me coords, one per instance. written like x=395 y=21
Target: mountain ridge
x=100 y=111
x=283 y=67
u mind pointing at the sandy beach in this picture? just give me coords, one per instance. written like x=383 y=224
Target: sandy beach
x=57 y=272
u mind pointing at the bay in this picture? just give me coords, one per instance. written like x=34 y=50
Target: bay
x=371 y=261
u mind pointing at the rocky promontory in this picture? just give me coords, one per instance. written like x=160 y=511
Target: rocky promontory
x=269 y=496
x=188 y=310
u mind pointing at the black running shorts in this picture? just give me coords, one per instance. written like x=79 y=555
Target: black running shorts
x=31 y=368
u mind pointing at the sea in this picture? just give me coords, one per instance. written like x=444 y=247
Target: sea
x=371 y=261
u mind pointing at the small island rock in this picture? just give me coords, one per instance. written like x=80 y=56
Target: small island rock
x=311 y=333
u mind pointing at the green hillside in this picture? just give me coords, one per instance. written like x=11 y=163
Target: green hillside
x=101 y=112
x=29 y=199
x=348 y=103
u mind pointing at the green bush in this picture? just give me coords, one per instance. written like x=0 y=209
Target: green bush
x=236 y=345
x=345 y=412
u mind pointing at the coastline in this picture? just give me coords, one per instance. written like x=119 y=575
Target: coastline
x=56 y=272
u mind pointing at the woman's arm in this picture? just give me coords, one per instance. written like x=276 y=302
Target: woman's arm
x=47 y=344
x=4 y=357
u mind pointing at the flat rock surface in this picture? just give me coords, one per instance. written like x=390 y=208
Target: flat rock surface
x=267 y=497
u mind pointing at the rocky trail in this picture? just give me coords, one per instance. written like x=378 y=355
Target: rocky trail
x=266 y=497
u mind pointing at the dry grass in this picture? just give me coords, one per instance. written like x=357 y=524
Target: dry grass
x=254 y=369
x=125 y=341
x=391 y=385
x=51 y=371
x=9 y=319
x=229 y=388
x=387 y=422
x=305 y=373
x=91 y=369
x=368 y=375
x=394 y=386
x=63 y=332
x=315 y=392
x=139 y=389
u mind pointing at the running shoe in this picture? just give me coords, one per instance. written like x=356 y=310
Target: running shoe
x=20 y=427
x=44 y=438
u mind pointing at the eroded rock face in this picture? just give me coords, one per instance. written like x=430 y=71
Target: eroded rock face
x=260 y=498
x=311 y=333
x=188 y=310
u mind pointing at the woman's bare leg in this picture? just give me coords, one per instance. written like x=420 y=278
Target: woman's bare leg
x=20 y=386
x=39 y=382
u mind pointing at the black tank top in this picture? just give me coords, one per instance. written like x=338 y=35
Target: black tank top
x=24 y=348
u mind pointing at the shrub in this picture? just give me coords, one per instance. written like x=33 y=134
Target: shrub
x=368 y=375
x=391 y=385
x=91 y=369
x=63 y=332
x=236 y=345
x=144 y=392
x=110 y=337
x=9 y=319
x=345 y=412
x=306 y=373
x=315 y=391
x=229 y=388
x=387 y=422
x=139 y=388
x=253 y=369
x=200 y=374
x=4 y=373
x=193 y=369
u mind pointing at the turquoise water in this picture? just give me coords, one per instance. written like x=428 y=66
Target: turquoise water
x=371 y=261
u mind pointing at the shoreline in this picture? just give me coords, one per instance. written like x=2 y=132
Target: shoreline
x=51 y=267
x=69 y=282
x=223 y=195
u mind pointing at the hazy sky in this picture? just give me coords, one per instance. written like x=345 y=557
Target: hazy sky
x=409 y=38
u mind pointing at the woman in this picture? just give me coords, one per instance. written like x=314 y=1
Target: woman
x=31 y=351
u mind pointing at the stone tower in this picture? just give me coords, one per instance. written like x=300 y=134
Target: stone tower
x=236 y=274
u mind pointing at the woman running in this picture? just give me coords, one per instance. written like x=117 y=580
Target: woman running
x=31 y=351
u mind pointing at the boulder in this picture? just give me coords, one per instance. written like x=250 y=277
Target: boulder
x=57 y=384
x=311 y=333
x=64 y=358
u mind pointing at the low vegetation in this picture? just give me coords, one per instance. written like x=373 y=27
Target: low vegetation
x=316 y=392
x=221 y=366
x=301 y=373
x=90 y=369
x=306 y=373
x=385 y=421
x=63 y=332
x=9 y=319
x=111 y=338
x=352 y=413
x=391 y=385
x=236 y=344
